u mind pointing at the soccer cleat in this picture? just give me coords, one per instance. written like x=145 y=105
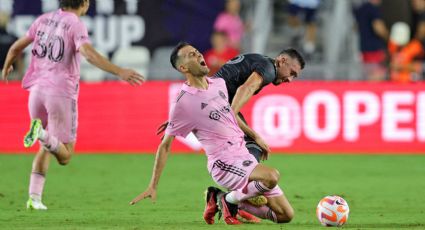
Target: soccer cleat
x=258 y=201
x=248 y=216
x=33 y=204
x=227 y=210
x=211 y=207
x=32 y=135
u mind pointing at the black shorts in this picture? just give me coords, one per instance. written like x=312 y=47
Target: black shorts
x=251 y=145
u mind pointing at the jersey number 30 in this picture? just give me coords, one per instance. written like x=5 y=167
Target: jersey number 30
x=53 y=48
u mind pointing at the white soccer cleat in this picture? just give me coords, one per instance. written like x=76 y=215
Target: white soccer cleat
x=34 y=204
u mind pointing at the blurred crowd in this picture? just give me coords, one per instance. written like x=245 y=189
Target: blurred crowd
x=392 y=50
x=390 y=45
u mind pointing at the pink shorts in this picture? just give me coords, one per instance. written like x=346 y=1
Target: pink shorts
x=57 y=114
x=233 y=173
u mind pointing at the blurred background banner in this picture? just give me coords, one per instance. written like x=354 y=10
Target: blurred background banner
x=114 y=24
x=319 y=117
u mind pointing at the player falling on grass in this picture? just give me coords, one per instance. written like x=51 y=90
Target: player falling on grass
x=58 y=38
x=202 y=107
x=245 y=76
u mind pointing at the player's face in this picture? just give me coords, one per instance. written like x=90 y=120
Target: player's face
x=287 y=69
x=193 y=62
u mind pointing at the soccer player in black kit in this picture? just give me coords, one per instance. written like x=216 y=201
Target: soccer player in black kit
x=245 y=76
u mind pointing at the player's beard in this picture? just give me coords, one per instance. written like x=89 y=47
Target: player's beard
x=200 y=71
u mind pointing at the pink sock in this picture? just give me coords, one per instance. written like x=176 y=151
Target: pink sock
x=36 y=184
x=50 y=142
x=263 y=212
x=254 y=188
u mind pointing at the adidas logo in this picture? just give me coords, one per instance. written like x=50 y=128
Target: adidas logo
x=203 y=105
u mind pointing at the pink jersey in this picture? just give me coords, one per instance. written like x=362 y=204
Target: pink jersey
x=55 y=62
x=207 y=113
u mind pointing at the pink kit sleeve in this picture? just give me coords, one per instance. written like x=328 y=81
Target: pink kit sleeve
x=180 y=123
x=33 y=29
x=80 y=35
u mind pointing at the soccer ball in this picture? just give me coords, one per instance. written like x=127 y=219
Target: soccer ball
x=332 y=211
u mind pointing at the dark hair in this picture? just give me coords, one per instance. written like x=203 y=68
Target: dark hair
x=174 y=54
x=293 y=53
x=73 y=4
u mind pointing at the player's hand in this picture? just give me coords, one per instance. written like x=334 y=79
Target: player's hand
x=149 y=193
x=131 y=77
x=5 y=73
x=264 y=146
x=162 y=128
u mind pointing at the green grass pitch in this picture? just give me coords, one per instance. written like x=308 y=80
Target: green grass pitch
x=93 y=192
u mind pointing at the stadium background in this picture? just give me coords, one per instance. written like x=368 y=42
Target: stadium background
x=319 y=122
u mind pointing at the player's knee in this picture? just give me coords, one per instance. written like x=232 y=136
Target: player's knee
x=283 y=220
x=273 y=177
x=285 y=217
x=65 y=160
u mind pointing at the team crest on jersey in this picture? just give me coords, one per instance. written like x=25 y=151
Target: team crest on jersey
x=222 y=94
x=236 y=60
x=247 y=163
x=215 y=115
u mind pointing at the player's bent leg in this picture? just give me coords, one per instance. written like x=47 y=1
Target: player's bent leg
x=263 y=212
x=266 y=175
x=258 y=180
x=277 y=210
x=61 y=127
x=282 y=208
x=262 y=180
x=64 y=153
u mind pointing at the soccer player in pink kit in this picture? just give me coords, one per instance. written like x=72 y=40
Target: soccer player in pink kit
x=202 y=107
x=58 y=38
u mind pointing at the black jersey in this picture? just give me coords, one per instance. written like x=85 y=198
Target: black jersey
x=236 y=71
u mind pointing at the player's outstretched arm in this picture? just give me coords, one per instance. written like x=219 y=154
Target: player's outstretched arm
x=14 y=51
x=245 y=91
x=94 y=58
x=160 y=160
